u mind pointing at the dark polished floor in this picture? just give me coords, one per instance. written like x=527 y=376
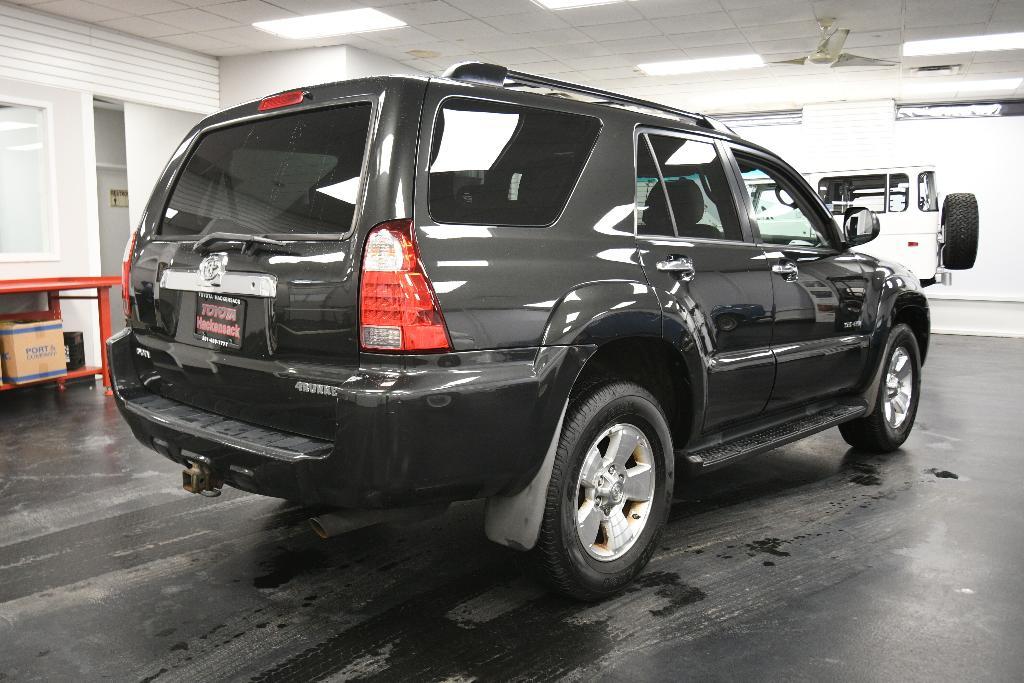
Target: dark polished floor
x=813 y=562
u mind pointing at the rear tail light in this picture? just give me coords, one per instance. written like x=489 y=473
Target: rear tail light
x=126 y=275
x=398 y=310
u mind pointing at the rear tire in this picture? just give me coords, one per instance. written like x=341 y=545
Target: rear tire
x=609 y=493
x=899 y=393
x=960 y=219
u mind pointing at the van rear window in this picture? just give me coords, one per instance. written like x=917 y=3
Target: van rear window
x=296 y=174
x=501 y=164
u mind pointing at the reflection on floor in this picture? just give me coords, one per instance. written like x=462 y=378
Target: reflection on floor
x=811 y=562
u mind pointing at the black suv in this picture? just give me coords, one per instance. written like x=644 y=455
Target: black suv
x=394 y=293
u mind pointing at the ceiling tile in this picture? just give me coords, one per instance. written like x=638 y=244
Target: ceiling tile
x=622 y=31
x=704 y=38
x=526 y=22
x=492 y=8
x=776 y=13
x=655 y=9
x=141 y=7
x=422 y=13
x=648 y=44
x=308 y=7
x=81 y=10
x=564 y=52
x=600 y=14
x=197 y=41
x=455 y=30
x=711 y=21
x=249 y=11
x=802 y=31
x=140 y=26
x=193 y=20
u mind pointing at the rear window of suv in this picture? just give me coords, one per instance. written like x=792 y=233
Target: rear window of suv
x=295 y=174
x=501 y=164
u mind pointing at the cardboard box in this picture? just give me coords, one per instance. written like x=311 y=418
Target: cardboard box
x=32 y=351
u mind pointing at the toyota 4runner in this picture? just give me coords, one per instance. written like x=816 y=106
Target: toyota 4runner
x=388 y=294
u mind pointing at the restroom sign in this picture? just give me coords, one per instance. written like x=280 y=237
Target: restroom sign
x=119 y=198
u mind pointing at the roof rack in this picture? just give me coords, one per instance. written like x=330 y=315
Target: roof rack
x=500 y=77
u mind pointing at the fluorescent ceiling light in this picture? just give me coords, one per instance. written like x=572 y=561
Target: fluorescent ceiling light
x=941 y=87
x=30 y=147
x=15 y=125
x=573 y=4
x=330 y=24
x=953 y=46
x=693 y=66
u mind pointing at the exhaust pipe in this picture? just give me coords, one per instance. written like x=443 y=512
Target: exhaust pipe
x=200 y=478
x=343 y=521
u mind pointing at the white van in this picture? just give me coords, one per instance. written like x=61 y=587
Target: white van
x=930 y=242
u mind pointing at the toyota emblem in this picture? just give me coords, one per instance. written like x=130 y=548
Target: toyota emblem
x=211 y=269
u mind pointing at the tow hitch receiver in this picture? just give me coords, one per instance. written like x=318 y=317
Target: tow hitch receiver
x=199 y=478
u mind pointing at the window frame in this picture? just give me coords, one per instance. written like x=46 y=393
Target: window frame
x=190 y=145
x=50 y=193
x=826 y=221
x=426 y=151
x=722 y=151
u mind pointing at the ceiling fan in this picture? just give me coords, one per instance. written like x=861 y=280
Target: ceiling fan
x=830 y=50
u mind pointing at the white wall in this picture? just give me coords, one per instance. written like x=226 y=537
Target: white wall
x=76 y=215
x=151 y=136
x=978 y=155
x=249 y=77
x=49 y=50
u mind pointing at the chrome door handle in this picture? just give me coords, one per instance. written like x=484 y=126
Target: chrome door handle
x=788 y=271
x=681 y=265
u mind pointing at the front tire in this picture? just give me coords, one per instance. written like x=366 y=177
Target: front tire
x=609 y=493
x=899 y=393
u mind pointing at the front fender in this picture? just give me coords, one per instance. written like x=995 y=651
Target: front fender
x=897 y=291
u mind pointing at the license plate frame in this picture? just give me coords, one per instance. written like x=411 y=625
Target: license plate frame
x=219 y=320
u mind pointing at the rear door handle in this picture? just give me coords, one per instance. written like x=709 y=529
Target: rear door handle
x=788 y=270
x=678 y=264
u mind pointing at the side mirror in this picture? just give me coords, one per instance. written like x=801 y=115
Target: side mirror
x=860 y=225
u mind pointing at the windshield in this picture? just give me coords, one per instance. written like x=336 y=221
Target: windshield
x=297 y=174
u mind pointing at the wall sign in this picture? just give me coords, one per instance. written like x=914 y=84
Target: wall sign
x=119 y=198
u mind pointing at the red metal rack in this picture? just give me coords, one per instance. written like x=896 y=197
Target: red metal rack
x=52 y=287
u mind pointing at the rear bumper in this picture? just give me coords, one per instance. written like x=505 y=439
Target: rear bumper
x=410 y=430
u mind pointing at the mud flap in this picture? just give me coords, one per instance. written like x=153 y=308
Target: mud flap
x=514 y=521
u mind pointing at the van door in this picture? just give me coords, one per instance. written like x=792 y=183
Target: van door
x=711 y=279
x=820 y=332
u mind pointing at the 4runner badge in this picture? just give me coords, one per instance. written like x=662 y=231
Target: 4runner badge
x=318 y=389
x=211 y=269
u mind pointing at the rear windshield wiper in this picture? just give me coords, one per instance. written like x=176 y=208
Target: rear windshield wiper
x=250 y=243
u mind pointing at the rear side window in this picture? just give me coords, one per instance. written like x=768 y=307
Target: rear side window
x=501 y=164
x=698 y=192
x=296 y=174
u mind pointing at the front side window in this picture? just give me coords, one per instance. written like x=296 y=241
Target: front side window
x=864 y=191
x=294 y=174
x=782 y=217
x=696 y=187
x=927 y=196
x=26 y=226
x=899 y=192
x=495 y=163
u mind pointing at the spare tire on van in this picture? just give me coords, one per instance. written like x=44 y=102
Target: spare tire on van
x=960 y=226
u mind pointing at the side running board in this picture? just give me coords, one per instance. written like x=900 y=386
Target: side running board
x=759 y=442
